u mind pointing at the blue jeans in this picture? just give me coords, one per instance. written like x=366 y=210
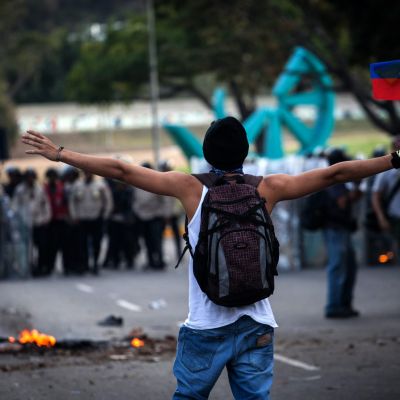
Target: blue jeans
x=341 y=269
x=244 y=347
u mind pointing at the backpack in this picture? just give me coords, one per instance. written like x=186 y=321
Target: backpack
x=314 y=211
x=237 y=253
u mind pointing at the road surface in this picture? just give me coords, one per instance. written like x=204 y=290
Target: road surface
x=353 y=359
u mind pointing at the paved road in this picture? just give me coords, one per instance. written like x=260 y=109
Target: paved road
x=316 y=358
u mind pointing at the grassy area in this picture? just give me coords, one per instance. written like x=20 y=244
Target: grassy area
x=359 y=137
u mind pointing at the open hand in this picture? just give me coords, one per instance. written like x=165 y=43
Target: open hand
x=42 y=145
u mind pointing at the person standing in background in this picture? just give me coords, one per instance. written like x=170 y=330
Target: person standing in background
x=122 y=240
x=57 y=230
x=14 y=179
x=31 y=202
x=342 y=263
x=386 y=201
x=376 y=241
x=90 y=203
x=148 y=208
x=69 y=176
x=172 y=214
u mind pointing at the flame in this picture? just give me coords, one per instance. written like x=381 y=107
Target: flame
x=383 y=258
x=34 y=336
x=386 y=257
x=136 y=342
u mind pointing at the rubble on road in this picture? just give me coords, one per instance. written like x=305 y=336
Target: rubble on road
x=16 y=356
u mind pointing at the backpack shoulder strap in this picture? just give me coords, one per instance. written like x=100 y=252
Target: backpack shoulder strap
x=207 y=179
x=252 y=180
x=187 y=241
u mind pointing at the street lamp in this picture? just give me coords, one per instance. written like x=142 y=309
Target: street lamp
x=154 y=90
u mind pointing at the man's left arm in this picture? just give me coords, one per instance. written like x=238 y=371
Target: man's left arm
x=287 y=187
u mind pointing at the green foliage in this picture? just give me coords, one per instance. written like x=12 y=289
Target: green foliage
x=239 y=40
x=240 y=43
x=48 y=55
x=369 y=26
x=114 y=68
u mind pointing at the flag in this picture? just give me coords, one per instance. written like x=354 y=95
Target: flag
x=385 y=77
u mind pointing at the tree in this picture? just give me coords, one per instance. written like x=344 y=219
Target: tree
x=243 y=45
x=195 y=40
x=112 y=68
x=37 y=50
x=43 y=41
x=348 y=38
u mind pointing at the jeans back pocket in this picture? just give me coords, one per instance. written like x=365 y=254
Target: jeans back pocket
x=198 y=349
x=261 y=348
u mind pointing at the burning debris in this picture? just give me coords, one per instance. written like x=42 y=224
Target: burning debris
x=136 y=346
x=136 y=342
x=386 y=258
x=35 y=337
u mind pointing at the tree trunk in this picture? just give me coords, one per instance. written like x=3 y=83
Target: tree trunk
x=245 y=111
x=382 y=114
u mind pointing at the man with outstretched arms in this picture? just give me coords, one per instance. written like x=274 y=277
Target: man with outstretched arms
x=214 y=336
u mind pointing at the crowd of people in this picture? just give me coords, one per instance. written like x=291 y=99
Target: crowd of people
x=69 y=212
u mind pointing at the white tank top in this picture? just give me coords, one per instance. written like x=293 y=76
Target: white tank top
x=203 y=313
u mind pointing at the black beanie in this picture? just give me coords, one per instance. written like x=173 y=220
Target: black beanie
x=225 y=144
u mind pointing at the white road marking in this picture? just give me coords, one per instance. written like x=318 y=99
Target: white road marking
x=295 y=363
x=305 y=378
x=129 y=306
x=84 y=288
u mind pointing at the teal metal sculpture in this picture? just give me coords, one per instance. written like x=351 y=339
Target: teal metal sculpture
x=318 y=95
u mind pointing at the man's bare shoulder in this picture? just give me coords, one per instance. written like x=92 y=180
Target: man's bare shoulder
x=272 y=186
x=273 y=182
x=183 y=179
x=188 y=189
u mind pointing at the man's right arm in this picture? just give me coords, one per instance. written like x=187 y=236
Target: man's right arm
x=182 y=186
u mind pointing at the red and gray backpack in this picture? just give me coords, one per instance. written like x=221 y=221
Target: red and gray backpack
x=237 y=253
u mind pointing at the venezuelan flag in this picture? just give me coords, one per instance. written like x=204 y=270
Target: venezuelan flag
x=385 y=78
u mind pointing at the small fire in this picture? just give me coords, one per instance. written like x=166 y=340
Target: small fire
x=34 y=336
x=136 y=342
x=384 y=258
